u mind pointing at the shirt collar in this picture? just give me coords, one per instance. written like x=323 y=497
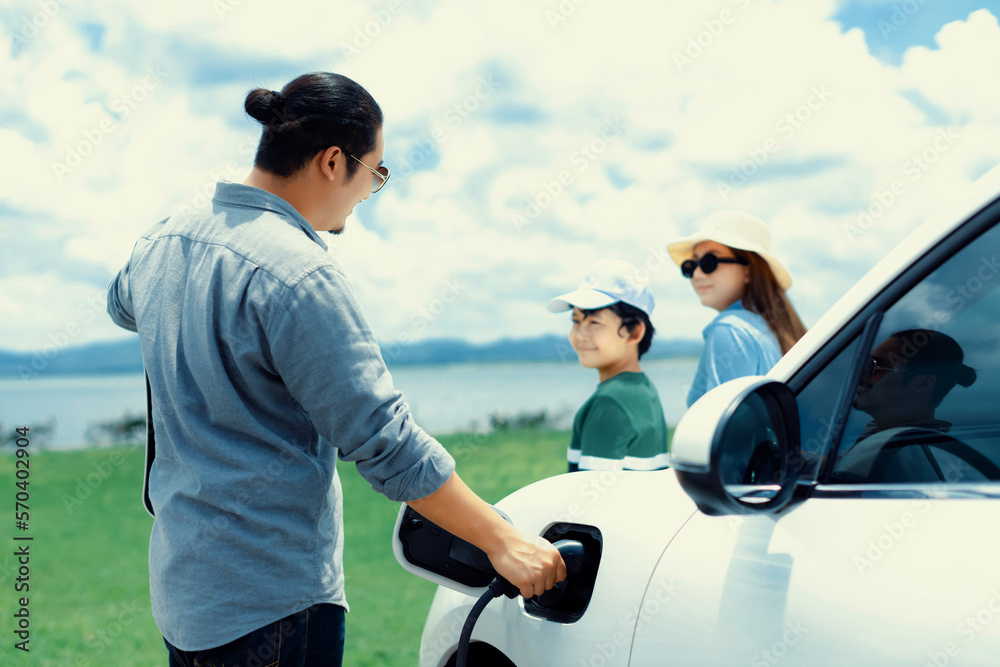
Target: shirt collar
x=736 y=307
x=238 y=194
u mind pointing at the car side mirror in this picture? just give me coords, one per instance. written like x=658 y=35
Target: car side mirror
x=735 y=450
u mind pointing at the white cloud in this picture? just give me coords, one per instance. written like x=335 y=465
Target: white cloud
x=44 y=311
x=822 y=127
x=951 y=75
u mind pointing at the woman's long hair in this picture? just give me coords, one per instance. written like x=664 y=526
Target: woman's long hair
x=765 y=297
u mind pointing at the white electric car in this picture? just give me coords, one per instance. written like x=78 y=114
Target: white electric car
x=842 y=510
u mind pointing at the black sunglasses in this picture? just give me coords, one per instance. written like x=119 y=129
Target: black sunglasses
x=708 y=264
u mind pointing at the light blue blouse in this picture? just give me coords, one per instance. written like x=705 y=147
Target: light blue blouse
x=738 y=343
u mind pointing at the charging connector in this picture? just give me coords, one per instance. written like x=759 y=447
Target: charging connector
x=572 y=554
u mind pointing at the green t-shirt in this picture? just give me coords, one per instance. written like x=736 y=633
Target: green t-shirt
x=620 y=427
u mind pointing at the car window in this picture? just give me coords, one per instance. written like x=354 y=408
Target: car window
x=924 y=408
x=818 y=404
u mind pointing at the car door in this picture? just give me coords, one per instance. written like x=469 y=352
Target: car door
x=888 y=555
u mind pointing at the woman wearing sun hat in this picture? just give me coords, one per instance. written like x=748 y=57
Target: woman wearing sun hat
x=731 y=268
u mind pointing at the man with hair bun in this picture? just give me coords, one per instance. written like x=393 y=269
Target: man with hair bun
x=907 y=377
x=901 y=385
x=262 y=372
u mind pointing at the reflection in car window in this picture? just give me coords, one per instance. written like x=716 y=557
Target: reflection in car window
x=818 y=404
x=924 y=408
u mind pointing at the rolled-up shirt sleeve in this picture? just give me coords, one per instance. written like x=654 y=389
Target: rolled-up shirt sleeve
x=327 y=356
x=120 y=306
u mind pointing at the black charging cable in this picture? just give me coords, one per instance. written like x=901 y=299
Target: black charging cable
x=572 y=553
x=497 y=587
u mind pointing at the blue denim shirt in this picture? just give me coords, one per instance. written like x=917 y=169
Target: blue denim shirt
x=738 y=343
x=263 y=371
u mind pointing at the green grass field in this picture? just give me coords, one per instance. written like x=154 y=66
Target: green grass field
x=89 y=586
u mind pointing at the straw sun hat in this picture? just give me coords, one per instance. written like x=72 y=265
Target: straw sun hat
x=736 y=229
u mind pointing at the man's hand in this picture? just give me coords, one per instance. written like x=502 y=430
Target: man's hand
x=527 y=561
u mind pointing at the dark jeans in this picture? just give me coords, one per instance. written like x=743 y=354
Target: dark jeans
x=311 y=638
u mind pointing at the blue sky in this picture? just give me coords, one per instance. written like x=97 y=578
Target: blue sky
x=655 y=113
x=892 y=26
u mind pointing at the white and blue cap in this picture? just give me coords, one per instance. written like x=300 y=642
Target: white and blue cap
x=608 y=281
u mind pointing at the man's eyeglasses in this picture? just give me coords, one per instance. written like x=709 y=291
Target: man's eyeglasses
x=382 y=174
x=874 y=367
x=708 y=263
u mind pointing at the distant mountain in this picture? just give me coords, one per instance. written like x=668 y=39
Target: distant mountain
x=125 y=356
x=94 y=359
x=542 y=348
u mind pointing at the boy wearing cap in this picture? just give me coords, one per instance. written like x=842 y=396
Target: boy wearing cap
x=621 y=426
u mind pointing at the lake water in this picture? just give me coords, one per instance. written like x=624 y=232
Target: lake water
x=444 y=399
